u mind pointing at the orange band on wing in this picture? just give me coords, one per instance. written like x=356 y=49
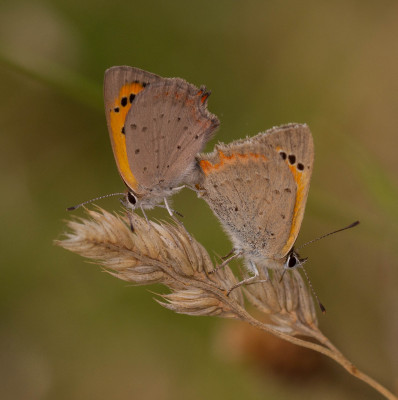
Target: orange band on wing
x=208 y=167
x=118 y=113
x=298 y=208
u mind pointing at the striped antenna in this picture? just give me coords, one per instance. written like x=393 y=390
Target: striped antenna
x=328 y=234
x=97 y=198
x=321 y=306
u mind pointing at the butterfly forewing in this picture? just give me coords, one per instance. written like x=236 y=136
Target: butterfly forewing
x=121 y=85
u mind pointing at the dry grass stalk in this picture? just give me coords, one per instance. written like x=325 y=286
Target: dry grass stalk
x=167 y=254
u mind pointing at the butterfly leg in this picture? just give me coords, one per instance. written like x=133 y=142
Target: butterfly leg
x=143 y=212
x=227 y=259
x=250 y=280
x=229 y=254
x=168 y=207
x=177 y=189
x=172 y=210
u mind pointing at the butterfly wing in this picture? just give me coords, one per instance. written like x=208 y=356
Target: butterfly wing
x=258 y=188
x=121 y=85
x=169 y=124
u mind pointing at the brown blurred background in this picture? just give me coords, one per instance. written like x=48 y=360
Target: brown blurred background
x=69 y=331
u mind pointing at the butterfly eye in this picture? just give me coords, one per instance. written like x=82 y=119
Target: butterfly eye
x=292 y=261
x=131 y=198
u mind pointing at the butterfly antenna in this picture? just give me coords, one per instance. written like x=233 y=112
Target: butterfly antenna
x=328 y=234
x=321 y=306
x=97 y=198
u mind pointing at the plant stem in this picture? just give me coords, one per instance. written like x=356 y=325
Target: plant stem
x=329 y=351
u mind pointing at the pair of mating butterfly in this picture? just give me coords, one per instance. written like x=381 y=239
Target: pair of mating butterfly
x=257 y=187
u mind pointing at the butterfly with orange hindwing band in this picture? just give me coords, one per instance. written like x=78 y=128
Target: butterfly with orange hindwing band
x=157 y=126
x=258 y=187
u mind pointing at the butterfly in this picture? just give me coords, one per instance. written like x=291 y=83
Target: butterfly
x=257 y=188
x=157 y=126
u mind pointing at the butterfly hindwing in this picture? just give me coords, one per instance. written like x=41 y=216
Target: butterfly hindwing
x=169 y=126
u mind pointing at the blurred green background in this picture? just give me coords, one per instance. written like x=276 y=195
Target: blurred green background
x=70 y=331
